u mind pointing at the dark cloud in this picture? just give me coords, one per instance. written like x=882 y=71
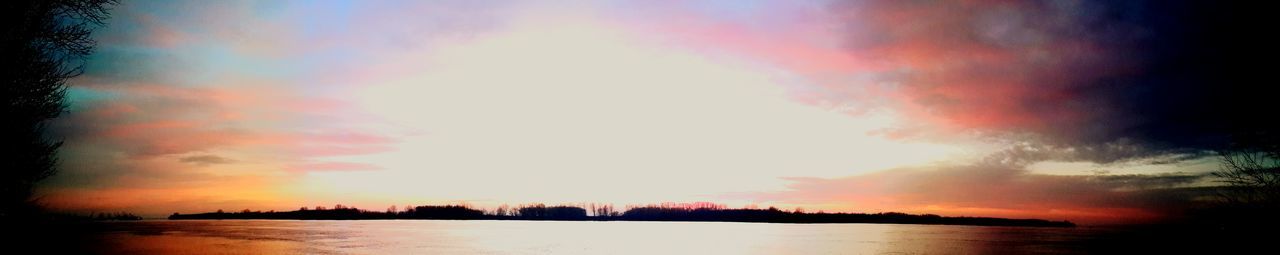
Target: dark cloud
x=206 y=160
x=1114 y=80
x=1193 y=87
x=1199 y=83
x=1122 y=150
x=1147 y=181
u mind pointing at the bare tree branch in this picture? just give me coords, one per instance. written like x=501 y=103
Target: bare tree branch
x=42 y=44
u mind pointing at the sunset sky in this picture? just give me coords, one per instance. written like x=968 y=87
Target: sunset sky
x=1064 y=110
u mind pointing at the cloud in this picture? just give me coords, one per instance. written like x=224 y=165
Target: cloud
x=1164 y=78
x=332 y=166
x=959 y=67
x=338 y=143
x=1120 y=151
x=206 y=160
x=998 y=190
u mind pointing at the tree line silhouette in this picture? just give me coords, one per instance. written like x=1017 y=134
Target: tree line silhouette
x=117 y=216
x=594 y=212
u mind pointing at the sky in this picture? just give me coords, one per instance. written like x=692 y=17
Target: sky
x=1090 y=111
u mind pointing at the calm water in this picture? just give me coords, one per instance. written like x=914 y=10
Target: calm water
x=559 y=237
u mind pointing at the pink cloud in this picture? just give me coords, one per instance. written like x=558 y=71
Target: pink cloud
x=156 y=120
x=947 y=66
x=159 y=35
x=338 y=143
x=332 y=166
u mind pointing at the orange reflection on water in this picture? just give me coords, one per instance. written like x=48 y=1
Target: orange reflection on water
x=581 y=237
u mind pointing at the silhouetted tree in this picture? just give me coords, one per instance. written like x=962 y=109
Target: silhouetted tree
x=605 y=210
x=502 y=210
x=1249 y=199
x=1252 y=176
x=446 y=212
x=41 y=43
x=119 y=216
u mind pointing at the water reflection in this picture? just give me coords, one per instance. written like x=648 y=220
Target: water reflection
x=552 y=237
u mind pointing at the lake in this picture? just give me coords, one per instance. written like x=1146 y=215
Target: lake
x=574 y=237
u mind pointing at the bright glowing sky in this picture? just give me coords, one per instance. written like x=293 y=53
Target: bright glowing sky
x=950 y=108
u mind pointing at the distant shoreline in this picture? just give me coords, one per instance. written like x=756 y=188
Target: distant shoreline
x=648 y=213
x=620 y=220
